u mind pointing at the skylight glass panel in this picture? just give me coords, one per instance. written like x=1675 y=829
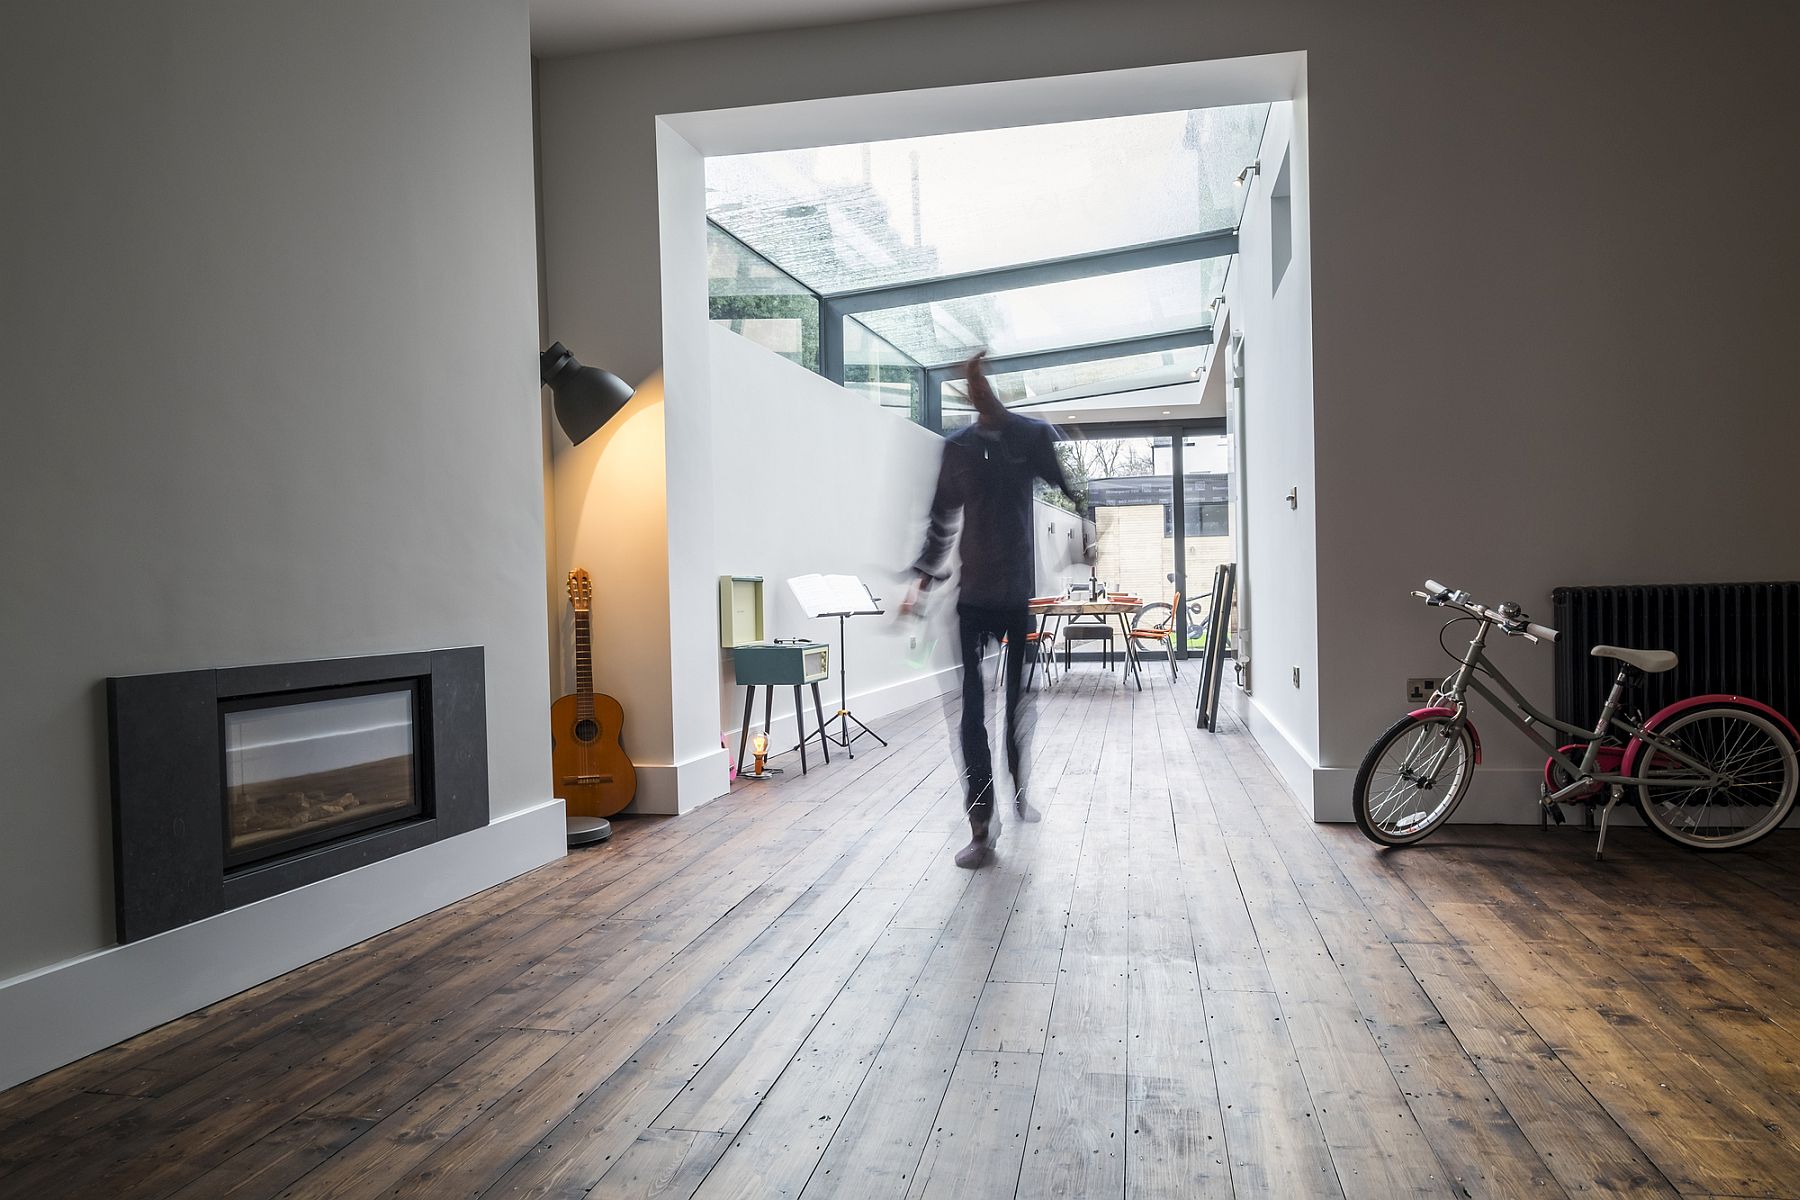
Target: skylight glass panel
x=1106 y=376
x=880 y=372
x=1099 y=308
x=840 y=218
x=748 y=295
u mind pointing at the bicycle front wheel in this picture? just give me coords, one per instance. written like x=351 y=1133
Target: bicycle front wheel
x=1412 y=779
x=1746 y=787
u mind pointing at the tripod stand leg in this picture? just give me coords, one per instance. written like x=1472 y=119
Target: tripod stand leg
x=862 y=729
x=844 y=689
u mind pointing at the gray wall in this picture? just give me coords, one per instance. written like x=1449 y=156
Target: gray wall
x=1551 y=249
x=267 y=347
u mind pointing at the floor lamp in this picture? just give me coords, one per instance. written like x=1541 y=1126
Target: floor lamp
x=584 y=399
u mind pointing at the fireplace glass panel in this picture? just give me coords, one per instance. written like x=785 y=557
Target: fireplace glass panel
x=299 y=773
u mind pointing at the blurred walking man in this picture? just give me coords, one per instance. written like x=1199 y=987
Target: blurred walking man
x=987 y=476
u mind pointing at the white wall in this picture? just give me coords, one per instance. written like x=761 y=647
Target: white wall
x=1057 y=548
x=811 y=478
x=1512 y=208
x=1281 y=574
x=269 y=320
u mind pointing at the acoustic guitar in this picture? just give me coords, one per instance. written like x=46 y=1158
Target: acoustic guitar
x=593 y=776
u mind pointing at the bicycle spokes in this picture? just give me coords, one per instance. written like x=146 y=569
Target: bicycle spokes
x=1419 y=774
x=1718 y=777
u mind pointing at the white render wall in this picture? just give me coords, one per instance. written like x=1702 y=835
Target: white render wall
x=268 y=347
x=813 y=479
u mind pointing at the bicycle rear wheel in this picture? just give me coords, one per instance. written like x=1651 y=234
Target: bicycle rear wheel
x=1758 y=777
x=1412 y=779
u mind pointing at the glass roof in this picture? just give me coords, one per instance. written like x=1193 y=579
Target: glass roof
x=840 y=218
x=735 y=270
x=1099 y=308
x=1102 y=376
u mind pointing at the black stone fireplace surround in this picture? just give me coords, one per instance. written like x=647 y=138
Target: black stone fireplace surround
x=169 y=796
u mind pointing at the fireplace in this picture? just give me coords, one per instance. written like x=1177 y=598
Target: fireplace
x=232 y=785
x=309 y=767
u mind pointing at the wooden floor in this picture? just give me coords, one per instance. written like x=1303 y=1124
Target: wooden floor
x=1174 y=986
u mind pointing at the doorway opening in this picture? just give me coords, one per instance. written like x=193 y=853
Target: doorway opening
x=838 y=250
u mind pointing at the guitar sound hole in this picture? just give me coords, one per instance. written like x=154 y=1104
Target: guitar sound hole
x=587 y=731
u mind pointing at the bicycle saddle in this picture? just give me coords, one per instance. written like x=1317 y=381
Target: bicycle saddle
x=1651 y=661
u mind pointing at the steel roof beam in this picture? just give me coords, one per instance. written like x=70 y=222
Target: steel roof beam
x=1217 y=244
x=1157 y=343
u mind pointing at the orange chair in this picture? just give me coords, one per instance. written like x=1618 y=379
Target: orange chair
x=1039 y=644
x=1163 y=631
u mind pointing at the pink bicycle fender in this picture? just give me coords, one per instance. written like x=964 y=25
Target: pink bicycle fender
x=1681 y=706
x=1474 y=733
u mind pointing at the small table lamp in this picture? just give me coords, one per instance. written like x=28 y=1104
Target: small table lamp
x=759 y=747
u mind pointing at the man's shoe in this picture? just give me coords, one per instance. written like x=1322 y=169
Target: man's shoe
x=975 y=854
x=980 y=850
x=1027 y=813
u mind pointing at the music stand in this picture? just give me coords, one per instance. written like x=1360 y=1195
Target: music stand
x=843 y=597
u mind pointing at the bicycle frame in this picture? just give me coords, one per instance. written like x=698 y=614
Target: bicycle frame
x=1475 y=662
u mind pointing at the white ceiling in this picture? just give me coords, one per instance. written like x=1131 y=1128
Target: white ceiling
x=560 y=27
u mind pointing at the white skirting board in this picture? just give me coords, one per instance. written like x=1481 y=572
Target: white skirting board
x=670 y=789
x=60 y=1013
x=1497 y=795
x=1296 y=767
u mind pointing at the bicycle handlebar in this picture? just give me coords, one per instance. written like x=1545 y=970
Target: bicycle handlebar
x=1514 y=624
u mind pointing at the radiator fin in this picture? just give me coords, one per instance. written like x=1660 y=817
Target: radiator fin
x=1742 y=638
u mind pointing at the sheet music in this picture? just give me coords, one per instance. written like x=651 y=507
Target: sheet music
x=821 y=595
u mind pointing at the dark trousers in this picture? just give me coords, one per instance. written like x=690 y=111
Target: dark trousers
x=977 y=625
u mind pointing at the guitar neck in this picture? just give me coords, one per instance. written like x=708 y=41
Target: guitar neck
x=584 y=666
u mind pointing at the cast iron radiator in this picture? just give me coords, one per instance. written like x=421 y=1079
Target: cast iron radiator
x=1741 y=638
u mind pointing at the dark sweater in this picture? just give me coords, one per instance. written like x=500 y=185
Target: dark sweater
x=987 y=475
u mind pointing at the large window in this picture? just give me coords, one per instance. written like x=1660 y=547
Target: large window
x=1131 y=490
x=1203 y=519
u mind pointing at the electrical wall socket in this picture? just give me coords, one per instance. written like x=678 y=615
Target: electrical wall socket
x=1296 y=676
x=912 y=643
x=1418 y=691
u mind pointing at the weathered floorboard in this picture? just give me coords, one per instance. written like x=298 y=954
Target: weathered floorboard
x=1174 y=985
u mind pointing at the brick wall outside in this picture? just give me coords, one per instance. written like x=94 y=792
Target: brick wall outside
x=1135 y=556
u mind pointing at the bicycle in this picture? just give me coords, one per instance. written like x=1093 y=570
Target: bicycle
x=1160 y=613
x=1713 y=772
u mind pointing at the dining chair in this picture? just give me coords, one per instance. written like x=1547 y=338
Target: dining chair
x=1163 y=631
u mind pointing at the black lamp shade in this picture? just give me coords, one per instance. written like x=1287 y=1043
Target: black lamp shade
x=585 y=398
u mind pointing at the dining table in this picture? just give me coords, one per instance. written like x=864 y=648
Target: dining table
x=1051 y=612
